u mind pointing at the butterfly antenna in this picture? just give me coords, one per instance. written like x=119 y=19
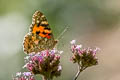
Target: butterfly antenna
x=60 y=36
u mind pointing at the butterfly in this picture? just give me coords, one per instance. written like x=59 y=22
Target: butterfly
x=40 y=35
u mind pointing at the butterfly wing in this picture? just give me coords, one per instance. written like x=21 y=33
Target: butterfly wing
x=40 y=36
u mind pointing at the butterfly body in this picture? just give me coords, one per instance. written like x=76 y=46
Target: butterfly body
x=40 y=36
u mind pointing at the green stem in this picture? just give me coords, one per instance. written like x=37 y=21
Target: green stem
x=80 y=69
x=78 y=73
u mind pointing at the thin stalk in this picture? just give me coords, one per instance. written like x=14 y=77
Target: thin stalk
x=60 y=36
x=78 y=73
x=80 y=69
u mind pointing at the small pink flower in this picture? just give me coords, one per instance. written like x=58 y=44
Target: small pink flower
x=78 y=46
x=40 y=58
x=30 y=66
x=59 y=68
x=57 y=57
x=27 y=74
x=35 y=58
x=73 y=42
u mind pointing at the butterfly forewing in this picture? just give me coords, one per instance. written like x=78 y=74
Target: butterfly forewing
x=40 y=36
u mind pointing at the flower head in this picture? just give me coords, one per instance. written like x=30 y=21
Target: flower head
x=45 y=63
x=24 y=76
x=85 y=56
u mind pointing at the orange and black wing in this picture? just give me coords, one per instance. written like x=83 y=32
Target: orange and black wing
x=40 y=36
x=40 y=25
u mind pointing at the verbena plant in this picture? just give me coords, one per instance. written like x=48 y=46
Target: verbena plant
x=47 y=62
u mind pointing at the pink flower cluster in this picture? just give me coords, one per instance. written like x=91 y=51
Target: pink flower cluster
x=45 y=63
x=84 y=56
x=24 y=76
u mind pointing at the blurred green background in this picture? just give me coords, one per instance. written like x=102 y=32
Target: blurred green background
x=92 y=23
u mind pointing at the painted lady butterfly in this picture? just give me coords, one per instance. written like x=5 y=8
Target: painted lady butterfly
x=40 y=36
